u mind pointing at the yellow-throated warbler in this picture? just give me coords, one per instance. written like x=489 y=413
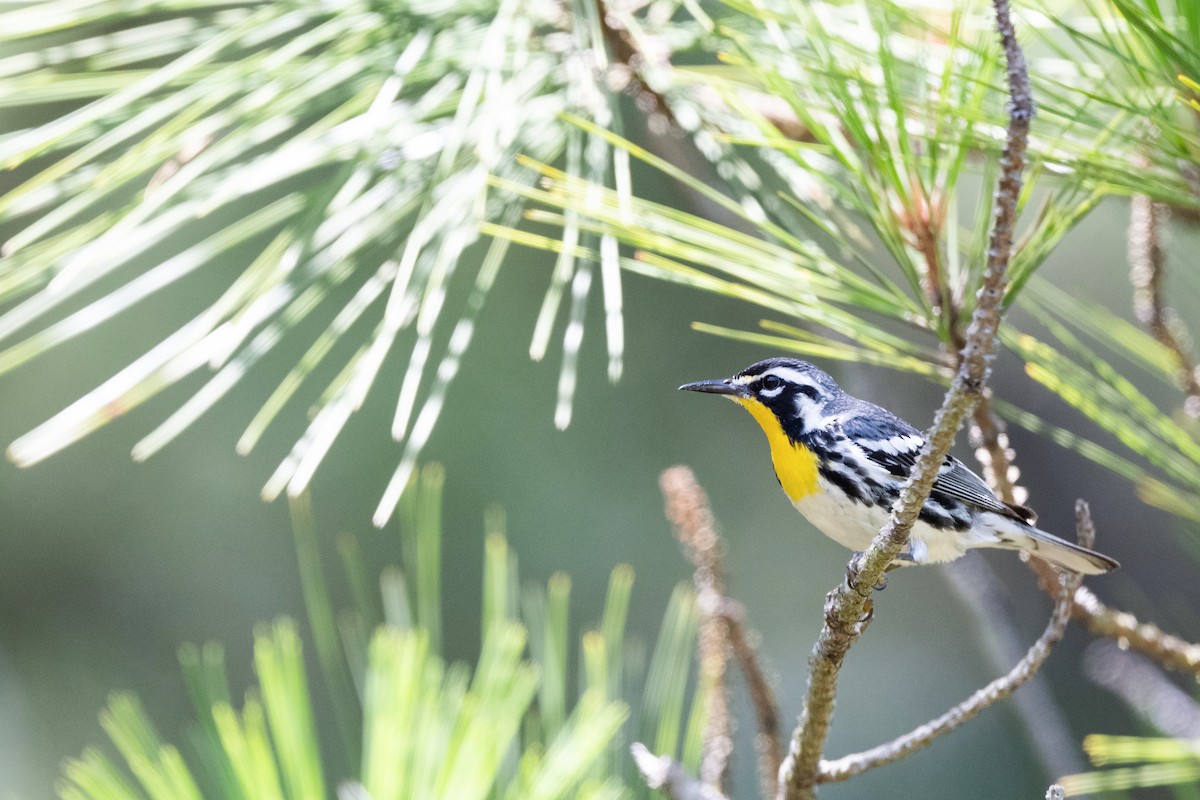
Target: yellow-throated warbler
x=842 y=462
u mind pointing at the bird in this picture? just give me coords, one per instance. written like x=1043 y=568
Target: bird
x=842 y=462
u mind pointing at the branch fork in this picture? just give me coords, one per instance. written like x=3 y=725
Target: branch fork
x=847 y=606
x=848 y=609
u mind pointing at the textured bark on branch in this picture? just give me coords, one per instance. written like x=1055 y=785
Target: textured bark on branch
x=766 y=742
x=902 y=746
x=688 y=510
x=986 y=599
x=721 y=630
x=1168 y=650
x=1103 y=620
x=1147 y=270
x=847 y=608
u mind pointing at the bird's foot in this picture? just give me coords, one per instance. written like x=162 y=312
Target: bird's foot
x=852 y=571
x=868 y=614
x=855 y=568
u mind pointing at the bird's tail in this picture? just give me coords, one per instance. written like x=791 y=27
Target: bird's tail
x=1059 y=552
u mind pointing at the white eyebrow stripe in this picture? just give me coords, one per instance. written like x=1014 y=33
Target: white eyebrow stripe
x=786 y=373
x=792 y=375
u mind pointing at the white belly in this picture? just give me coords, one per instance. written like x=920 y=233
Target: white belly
x=854 y=525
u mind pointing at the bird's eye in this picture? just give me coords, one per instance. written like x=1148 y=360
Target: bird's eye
x=772 y=383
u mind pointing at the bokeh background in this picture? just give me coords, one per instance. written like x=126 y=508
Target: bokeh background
x=107 y=566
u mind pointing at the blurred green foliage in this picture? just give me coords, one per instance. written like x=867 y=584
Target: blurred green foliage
x=351 y=176
x=511 y=727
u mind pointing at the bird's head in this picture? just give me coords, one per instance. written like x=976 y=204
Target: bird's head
x=785 y=393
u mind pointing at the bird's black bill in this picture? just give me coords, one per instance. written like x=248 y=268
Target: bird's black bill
x=715 y=387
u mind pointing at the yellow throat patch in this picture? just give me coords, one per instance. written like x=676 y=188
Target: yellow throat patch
x=795 y=464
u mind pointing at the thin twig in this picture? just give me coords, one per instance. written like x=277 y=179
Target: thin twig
x=847 y=609
x=984 y=597
x=1085 y=528
x=1168 y=650
x=987 y=431
x=688 y=510
x=1147 y=268
x=766 y=709
x=623 y=48
x=1103 y=620
x=974 y=581
x=1044 y=718
x=665 y=774
x=1099 y=619
x=902 y=746
x=924 y=219
x=994 y=454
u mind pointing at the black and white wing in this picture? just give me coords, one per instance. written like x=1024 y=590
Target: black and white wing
x=891 y=443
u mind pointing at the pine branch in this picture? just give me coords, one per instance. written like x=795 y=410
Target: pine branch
x=689 y=511
x=849 y=766
x=623 y=47
x=1146 y=638
x=1147 y=269
x=994 y=454
x=985 y=597
x=1099 y=618
x=847 y=608
x=766 y=709
x=1103 y=620
x=721 y=630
